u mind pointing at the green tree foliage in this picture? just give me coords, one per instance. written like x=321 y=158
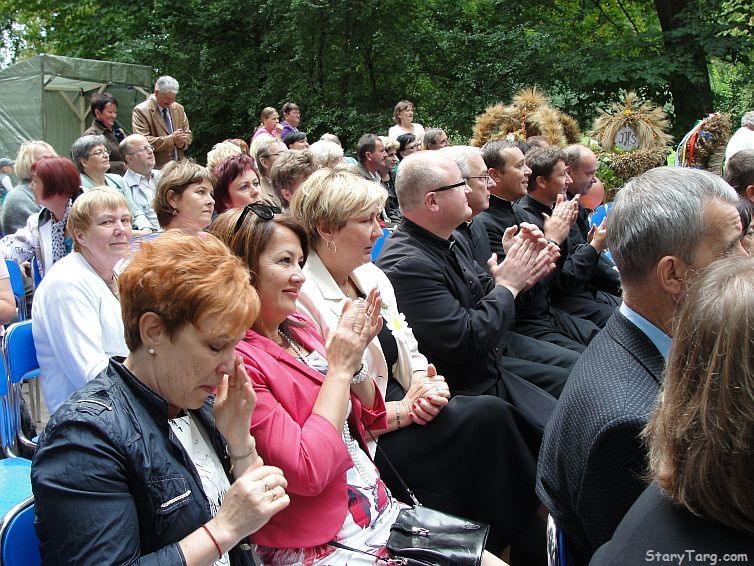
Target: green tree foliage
x=347 y=64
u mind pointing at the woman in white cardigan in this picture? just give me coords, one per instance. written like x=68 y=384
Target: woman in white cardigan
x=471 y=456
x=76 y=312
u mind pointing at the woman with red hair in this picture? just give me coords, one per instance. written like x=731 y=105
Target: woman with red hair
x=55 y=182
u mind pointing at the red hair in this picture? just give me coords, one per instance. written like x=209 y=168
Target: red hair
x=59 y=176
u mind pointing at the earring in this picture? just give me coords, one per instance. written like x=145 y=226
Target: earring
x=150 y=350
x=334 y=248
x=175 y=212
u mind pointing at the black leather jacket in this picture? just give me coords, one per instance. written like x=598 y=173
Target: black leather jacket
x=112 y=485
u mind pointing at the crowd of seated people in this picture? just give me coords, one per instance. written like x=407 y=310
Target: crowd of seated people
x=286 y=380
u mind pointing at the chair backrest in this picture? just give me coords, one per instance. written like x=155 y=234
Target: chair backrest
x=17 y=284
x=35 y=272
x=19 y=545
x=20 y=353
x=378 y=243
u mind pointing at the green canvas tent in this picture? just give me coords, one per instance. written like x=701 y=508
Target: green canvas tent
x=47 y=98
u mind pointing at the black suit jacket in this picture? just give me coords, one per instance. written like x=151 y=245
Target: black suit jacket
x=655 y=525
x=459 y=316
x=592 y=459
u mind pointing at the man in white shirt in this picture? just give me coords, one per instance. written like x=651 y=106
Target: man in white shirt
x=743 y=138
x=141 y=177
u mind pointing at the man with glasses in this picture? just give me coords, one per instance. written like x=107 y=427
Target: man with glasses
x=459 y=312
x=140 y=177
x=291 y=119
x=546 y=365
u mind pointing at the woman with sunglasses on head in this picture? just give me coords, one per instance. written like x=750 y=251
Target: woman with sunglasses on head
x=315 y=403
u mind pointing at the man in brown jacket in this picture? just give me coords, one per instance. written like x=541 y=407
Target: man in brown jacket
x=163 y=121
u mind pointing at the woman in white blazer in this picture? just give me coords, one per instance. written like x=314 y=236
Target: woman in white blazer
x=471 y=456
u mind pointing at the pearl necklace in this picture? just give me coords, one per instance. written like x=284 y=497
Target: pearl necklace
x=354 y=450
x=291 y=344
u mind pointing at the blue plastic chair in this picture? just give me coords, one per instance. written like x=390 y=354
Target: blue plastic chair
x=9 y=419
x=15 y=483
x=17 y=284
x=35 y=273
x=19 y=545
x=378 y=244
x=22 y=365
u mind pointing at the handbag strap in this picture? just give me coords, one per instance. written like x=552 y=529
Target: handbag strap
x=395 y=472
x=397 y=561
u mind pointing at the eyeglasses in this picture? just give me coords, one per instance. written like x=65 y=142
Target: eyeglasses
x=148 y=148
x=449 y=187
x=263 y=211
x=485 y=177
x=99 y=153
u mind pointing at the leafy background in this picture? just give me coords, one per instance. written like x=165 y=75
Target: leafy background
x=348 y=63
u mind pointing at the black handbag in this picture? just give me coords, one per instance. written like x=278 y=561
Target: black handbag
x=426 y=537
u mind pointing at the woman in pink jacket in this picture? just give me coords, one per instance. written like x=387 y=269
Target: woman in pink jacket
x=315 y=404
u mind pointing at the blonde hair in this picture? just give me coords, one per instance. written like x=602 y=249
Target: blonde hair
x=330 y=197
x=390 y=143
x=220 y=152
x=25 y=158
x=186 y=279
x=89 y=204
x=701 y=437
x=176 y=177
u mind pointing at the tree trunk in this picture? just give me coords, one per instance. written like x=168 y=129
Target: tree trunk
x=689 y=86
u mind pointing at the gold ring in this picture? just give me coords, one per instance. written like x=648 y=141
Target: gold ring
x=274 y=495
x=265 y=486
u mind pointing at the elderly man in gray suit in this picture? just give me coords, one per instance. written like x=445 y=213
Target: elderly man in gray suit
x=666 y=226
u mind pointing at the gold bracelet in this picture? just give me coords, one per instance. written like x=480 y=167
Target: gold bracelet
x=234 y=459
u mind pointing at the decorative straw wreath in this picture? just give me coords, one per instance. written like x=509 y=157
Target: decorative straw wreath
x=529 y=114
x=633 y=138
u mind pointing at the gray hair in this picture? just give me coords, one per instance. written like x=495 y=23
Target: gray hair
x=748 y=119
x=430 y=136
x=329 y=153
x=82 y=146
x=418 y=174
x=166 y=84
x=661 y=213
x=461 y=155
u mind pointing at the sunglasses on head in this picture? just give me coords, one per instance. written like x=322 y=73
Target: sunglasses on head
x=263 y=211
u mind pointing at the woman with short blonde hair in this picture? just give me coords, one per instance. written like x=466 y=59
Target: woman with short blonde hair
x=20 y=203
x=439 y=445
